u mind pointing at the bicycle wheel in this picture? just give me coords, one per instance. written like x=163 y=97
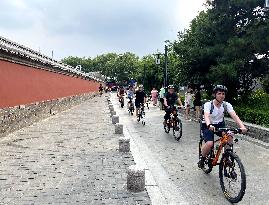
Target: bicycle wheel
x=138 y=117
x=232 y=177
x=143 y=118
x=177 y=129
x=208 y=161
x=167 y=127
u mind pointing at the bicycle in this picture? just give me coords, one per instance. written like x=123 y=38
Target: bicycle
x=227 y=164
x=131 y=106
x=141 y=114
x=175 y=123
x=121 y=100
x=100 y=93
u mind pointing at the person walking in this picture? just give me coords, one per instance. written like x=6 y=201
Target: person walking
x=188 y=103
x=161 y=95
x=197 y=103
x=154 y=96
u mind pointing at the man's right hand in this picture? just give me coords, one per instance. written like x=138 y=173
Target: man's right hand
x=212 y=128
x=244 y=130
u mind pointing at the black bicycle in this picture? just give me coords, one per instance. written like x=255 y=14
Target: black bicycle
x=130 y=106
x=231 y=170
x=121 y=100
x=141 y=114
x=175 y=123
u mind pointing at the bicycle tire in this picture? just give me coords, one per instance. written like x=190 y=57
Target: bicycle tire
x=138 y=118
x=177 y=129
x=208 y=162
x=167 y=128
x=232 y=175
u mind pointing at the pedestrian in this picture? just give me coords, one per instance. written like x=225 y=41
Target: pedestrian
x=161 y=96
x=188 y=102
x=154 y=96
x=197 y=103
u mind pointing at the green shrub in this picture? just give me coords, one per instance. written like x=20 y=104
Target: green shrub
x=253 y=115
x=254 y=108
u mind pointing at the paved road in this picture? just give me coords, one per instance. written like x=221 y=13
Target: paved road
x=173 y=165
x=70 y=158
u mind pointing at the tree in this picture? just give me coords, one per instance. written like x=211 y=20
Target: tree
x=227 y=44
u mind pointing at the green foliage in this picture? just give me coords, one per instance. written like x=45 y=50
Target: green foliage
x=227 y=44
x=254 y=109
x=265 y=84
x=255 y=116
x=86 y=63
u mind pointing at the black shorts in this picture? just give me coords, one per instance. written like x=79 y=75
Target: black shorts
x=138 y=104
x=208 y=135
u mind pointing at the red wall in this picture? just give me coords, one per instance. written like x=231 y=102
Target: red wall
x=23 y=85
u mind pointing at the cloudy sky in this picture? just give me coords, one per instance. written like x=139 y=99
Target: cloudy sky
x=92 y=27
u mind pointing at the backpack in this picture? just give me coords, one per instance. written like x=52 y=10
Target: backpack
x=224 y=104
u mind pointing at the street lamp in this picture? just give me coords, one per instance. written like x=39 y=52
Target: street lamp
x=266 y=4
x=158 y=61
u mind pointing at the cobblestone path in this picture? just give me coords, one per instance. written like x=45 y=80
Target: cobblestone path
x=70 y=158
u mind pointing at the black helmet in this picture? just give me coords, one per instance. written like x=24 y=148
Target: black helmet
x=220 y=88
x=171 y=87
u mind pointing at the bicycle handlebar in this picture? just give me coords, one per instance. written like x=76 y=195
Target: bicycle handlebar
x=226 y=129
x=176 y=107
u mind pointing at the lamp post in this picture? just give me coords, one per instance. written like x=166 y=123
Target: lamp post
x=158 y=62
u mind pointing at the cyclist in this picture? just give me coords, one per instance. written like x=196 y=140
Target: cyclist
x=140 y=98
x=130 y=95
x=170 y=99
x=120 y=93
x=101 y=88
x=215 y=119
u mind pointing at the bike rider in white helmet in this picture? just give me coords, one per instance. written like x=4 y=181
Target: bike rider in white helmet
x=214 y=118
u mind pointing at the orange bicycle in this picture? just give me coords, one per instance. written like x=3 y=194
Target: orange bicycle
x=231 y=170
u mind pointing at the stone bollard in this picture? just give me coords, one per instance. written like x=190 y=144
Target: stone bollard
x=112 y=113
x=135 y=179
x=115 y=119
x=118 y=128
x=124 y=144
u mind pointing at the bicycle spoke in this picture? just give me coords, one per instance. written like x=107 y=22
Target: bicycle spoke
x=232 y=178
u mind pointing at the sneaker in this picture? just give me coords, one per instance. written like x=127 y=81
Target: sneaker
x=201 y=163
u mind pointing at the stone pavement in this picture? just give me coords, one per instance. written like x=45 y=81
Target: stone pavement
x=70 y=158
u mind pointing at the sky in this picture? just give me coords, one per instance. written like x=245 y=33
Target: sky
x=94 y=27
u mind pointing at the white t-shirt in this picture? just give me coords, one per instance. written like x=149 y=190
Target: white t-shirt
x=218 y=113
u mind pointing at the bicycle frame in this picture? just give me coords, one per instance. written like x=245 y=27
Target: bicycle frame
x=229 y=165
x=223 y=141
x=172 y=117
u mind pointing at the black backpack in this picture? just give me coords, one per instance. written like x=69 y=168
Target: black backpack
x=224 y=104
